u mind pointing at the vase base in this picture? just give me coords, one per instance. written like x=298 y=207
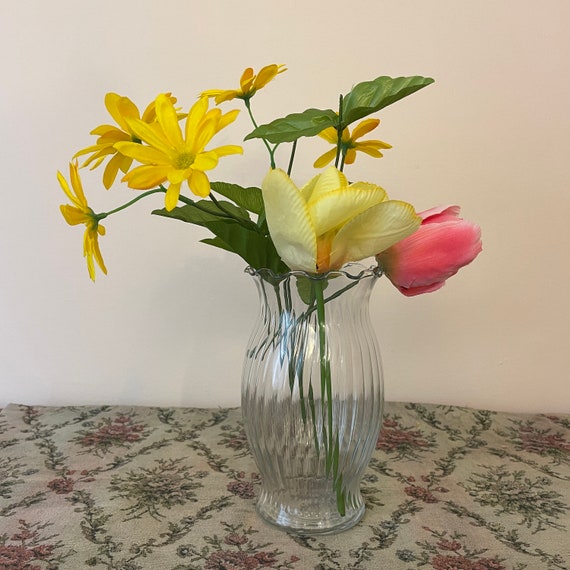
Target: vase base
x=303 y=523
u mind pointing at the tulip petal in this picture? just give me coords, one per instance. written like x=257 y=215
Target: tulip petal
x=375 y=230
x=434 y=253
x=336 y=208
x=419 y=290
x=331 y=179
x=440 y=213
x=289 y=221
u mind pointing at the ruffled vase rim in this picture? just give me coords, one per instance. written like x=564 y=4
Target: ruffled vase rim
x=355 y=271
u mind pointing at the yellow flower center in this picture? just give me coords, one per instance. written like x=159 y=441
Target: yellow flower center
x=184 y=160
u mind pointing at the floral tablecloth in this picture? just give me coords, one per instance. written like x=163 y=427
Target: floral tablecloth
x=130 y=488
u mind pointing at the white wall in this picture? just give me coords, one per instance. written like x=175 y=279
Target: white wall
x=169 y=324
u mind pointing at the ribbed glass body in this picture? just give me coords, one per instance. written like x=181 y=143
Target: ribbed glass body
x=312 y=396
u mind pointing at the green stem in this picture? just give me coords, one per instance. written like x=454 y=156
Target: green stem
x=293 y=149
x=270 y=150
x=103 y=215
x=228 y=214
x=341 y=168
x=339 y=130
x=330 y=440
x=325 y=369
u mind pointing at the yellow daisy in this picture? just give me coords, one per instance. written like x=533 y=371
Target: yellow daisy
x=81 y=213
x=171 y=157
x=349 y=144
x=121 y=109
x=249 y=84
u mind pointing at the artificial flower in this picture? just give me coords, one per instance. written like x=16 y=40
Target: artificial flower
x=442 y=245
x=249 y=84
x=121 y=109
x=349 y=144
x=170 y=156
x=81 y=213
x=329 y=222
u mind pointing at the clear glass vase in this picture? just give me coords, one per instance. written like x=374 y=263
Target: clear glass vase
x=312 y=396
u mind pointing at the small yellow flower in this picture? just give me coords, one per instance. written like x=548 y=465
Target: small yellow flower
x=249 y=84
x=81 y=213
x=349 y=144
x=121 y=109
x=171 y=157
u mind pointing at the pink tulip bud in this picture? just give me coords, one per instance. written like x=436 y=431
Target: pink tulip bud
x=442 y=245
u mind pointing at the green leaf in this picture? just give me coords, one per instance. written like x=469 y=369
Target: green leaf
x=205 y=211
x=248 y=198
x=371 y=96
x=217 y=242
x=292 y=127
x=256 y=249
x=225 y=209
x=244 y=239
x=305 y=289
x=190 y=214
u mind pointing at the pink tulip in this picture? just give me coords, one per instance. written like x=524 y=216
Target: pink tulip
x=442 y=245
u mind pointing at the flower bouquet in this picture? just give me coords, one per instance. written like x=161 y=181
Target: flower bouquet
x=312 y=383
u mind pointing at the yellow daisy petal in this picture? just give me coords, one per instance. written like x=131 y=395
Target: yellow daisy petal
x=73 y=216
x=112 y=102
x=350 y=156
x=199 y=183
x=324 y=159
x=195 y=115
x=144 y=154
x=364 y=127
x=171 y=197
x=246 y=80
x=151 y=135
x=226 y=119
x=112 y=169
x=168 y=119
x=330 y=134
x=206 y=161
x=76 y=183
x=227 y=96
x=370 y=151
x=146 y=177
x=266 y=74
x=228 y=149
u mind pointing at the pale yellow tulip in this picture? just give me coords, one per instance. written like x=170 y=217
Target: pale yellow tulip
x=329 y=222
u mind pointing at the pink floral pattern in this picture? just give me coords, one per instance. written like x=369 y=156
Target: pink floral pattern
x=125 y=488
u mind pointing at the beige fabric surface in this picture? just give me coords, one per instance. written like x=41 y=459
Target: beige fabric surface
x=130 y=488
